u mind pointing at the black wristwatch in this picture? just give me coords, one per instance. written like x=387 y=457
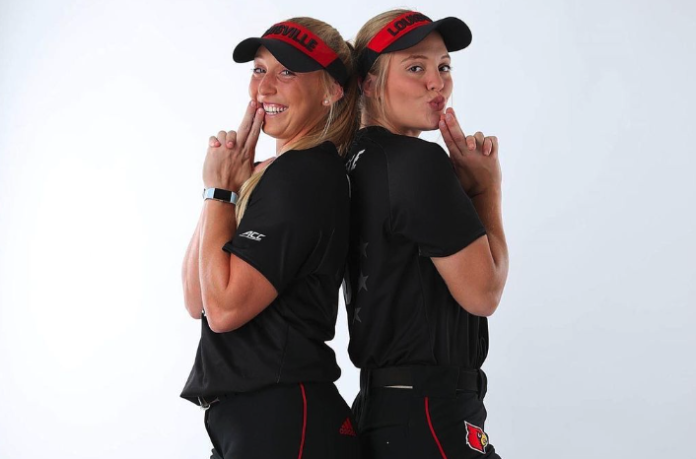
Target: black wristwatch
x=220 y=195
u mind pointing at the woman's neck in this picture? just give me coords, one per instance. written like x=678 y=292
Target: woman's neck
x=367 y=120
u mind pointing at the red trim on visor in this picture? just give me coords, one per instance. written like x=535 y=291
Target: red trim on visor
x=303 y=40
x=396 y=29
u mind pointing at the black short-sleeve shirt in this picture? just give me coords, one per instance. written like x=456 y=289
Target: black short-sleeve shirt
x=295 y=233
x=407 y=206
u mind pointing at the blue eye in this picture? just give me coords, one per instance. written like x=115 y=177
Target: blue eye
x=415 y=68
x=446 y=68
x=286 y=72
x=258 y=70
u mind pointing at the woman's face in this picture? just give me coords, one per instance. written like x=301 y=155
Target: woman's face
x=418 y=86
x=292 y=101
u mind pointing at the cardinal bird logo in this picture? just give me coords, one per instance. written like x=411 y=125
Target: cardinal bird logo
x=476 y=438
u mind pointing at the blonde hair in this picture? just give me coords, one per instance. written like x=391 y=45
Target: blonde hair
x=371 y=109
x=342 y=120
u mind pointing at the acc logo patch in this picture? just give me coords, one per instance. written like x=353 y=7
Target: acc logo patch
x=476 y=438
x=253 y=235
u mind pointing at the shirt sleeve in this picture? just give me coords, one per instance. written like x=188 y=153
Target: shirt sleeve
x=428 y=204
x=280 y=229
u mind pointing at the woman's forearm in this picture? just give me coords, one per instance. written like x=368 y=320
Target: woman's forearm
x=218 y=225
x=489 y=208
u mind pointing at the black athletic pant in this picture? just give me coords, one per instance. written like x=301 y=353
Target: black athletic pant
x=293 y=421
x=398 y=423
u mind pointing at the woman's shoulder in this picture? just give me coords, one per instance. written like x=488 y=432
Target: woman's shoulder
x=398 y=148
x=309 y=167
x=403 y=153
x=318 y=156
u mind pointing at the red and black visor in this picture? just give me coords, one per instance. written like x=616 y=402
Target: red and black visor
x=408 y=30
x=297 y=48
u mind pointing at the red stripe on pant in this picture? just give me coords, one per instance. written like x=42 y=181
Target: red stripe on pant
x=304 y=420
x=432 y=430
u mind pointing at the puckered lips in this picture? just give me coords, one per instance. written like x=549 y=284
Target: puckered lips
x=437 y=103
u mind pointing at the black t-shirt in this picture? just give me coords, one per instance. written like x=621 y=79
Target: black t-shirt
x=295 y=233
x=407 y=206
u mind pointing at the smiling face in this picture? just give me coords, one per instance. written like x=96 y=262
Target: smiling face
x=418 y=85
x=293 y=101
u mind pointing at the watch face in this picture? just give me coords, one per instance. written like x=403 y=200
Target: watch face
x=220 y=195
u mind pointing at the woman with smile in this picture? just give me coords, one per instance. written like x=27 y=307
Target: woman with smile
x=286 y=98
x=264 y=265
x=428 y=259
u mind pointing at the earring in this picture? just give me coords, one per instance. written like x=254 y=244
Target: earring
x=326 y=102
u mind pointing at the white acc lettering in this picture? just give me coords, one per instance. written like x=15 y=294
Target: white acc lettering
x=253 y=235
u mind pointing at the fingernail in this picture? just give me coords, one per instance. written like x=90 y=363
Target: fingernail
x=449 y=116
x=252 y=103
x=259 y=111
x=442 y=123
x=229 y=144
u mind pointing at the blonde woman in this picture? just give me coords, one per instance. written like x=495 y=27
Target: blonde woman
x=264 y=265
x=428 y=259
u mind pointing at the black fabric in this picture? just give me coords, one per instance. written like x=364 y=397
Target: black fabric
x=407 y=206
x=455 y=33
x=292 y=58
x=295 y=233
x=426 y=380
x=288 y=55
x=397 y=423
x=269 y=423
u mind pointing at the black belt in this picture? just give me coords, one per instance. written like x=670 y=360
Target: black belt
x=427 y=380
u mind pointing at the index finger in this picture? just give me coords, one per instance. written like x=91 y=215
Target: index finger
x=456 y=130
x=447 y=137
x=253 y=137
x=244 y=127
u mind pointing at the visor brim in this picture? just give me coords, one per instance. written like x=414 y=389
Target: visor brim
x=455 y=33
x=291 y=58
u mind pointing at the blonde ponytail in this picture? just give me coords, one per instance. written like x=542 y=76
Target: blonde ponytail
x=245 y=192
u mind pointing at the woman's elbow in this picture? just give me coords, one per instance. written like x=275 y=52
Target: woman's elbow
x=482 y=304
x=218 y=325
x=221 y=319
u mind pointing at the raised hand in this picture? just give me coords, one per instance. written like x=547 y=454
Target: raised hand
x=229 y=161
x=475 y=158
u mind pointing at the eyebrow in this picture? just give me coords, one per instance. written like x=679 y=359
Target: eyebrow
x=421 y=56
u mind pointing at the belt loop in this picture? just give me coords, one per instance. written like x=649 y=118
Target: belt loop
x=204 y=404
x=483 y=384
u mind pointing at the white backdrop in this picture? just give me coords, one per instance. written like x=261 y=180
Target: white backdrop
x=105 y=110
